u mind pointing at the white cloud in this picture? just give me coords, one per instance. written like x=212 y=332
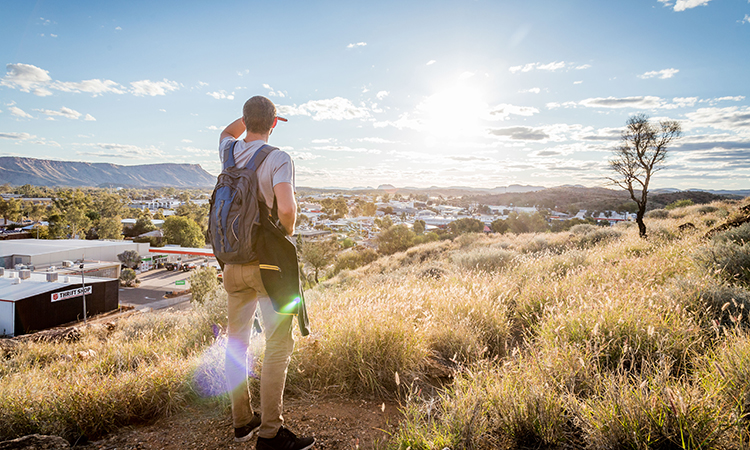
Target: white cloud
x=89 y=118
x=220 y=95
x=27 y=78
x=375 y=140
x=647 y=102
x=118 y=28
x=466 y=75
x=153 y=88
x=304 y=156
x=122 y=151
x=341 y=148
x=18 y=112
x=358 y=44
x=535 y=90
x=16 y=136
x=336 y=108
x=746 y=19
x=96 y=87
x=503 y=111
x=382 y=94
x=53 y=35
x=662 y=74
x=201 y=84
x=578 y=82
x=551 y=67
x=198 y=151
x=187 y=141
x=64 y=112
x=732 y=118
x=431 y=62
x=272 y=92
x=682 y=5
x=583 y=67
x=323 y=141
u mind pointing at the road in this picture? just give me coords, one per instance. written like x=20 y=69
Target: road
x=154 y=285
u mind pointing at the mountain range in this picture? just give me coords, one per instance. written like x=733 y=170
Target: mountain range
x=42 y=172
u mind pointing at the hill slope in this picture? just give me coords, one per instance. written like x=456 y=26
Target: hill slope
x=42 y=172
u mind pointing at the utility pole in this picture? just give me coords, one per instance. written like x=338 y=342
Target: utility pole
x=83 y=286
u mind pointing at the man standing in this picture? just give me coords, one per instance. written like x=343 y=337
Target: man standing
x=245 y=290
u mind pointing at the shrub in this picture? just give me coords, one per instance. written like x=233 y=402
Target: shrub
x=739 y=235
x=707 y=209
x=202 y=283
x=396 y=238
x=714 y=303
x=352 y=259
x=127 y=277
x=658 y=214
x=728 y=260
x=487 y=259
x=679 y=204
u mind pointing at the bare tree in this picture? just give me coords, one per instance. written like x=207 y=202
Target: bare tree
x=641 y=154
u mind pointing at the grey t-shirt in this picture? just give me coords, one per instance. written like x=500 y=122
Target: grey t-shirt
x=277 y=168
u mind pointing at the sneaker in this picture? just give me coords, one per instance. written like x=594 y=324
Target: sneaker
x=245 y=433
x=285 y=440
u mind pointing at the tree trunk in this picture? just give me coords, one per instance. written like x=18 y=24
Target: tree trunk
x=639 y=220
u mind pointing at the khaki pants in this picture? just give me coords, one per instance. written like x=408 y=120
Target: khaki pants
x=245 y=291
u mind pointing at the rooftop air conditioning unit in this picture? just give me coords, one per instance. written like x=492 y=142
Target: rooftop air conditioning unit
x=51 y=277
x=66 y=279
x=24 y=274
x=16 y=281
x=2 y=271
x=67 y=263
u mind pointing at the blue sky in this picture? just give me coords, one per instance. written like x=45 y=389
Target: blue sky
x=433 y=93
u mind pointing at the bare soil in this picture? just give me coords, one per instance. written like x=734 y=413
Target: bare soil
x=335 y=424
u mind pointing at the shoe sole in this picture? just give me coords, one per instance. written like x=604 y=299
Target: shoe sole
x=248 y=436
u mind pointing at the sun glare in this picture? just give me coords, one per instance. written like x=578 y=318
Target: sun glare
x=457 y=111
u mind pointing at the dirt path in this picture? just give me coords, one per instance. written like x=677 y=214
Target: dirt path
x=335 y=424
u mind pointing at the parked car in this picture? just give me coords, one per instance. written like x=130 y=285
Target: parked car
x=186 y=267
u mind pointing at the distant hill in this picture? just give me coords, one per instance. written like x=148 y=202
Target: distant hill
x=43 y=172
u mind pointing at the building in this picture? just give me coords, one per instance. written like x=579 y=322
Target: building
x=42 y=253
x=36 y=301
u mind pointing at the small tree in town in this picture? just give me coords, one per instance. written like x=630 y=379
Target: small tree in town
x=641 y=153
x=202 y=282
x=127 y=277
x=130 y=258
x=319 y=254
x=183 y=231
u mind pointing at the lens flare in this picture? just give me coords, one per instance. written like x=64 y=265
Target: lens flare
x=226 y=364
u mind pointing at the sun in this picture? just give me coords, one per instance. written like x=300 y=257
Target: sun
x=456 y=111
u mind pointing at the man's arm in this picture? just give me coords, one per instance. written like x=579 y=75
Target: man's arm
x=287 y=207
x=233 y=130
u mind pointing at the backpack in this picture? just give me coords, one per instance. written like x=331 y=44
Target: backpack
x=234 y=216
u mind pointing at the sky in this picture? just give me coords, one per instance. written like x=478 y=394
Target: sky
x=473 y=93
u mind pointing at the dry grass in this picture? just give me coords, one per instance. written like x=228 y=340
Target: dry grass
x=593 y=338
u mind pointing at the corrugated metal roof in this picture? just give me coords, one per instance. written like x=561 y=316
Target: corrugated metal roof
x=34 y=247
x=38 y=284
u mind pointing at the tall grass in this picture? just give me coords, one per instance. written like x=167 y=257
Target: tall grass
x=593 y=338
x=137 y=370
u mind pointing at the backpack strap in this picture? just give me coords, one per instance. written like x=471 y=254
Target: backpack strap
x=258 y=157
x=228 y=159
